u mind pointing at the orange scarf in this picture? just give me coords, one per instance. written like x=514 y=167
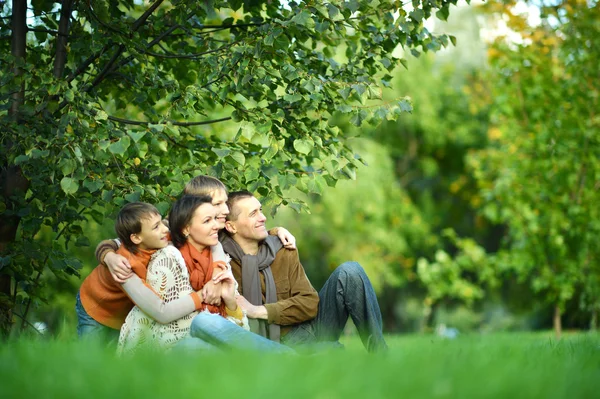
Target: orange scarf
x=138 y=261
x=201 y=267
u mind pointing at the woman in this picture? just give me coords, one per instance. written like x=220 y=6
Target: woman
x=194 y=229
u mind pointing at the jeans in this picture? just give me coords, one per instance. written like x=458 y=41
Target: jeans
x=87 y=327
x=215 y=330
x=347 y=293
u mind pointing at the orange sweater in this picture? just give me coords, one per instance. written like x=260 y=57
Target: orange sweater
x=103 y=298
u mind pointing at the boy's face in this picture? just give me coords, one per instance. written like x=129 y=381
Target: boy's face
x=219 y=200
x=153 y=234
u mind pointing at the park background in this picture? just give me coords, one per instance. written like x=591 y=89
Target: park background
x=475 y=209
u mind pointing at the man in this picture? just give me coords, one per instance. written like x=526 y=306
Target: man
x=277 y=294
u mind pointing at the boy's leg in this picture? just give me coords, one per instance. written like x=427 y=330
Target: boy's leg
x=218 y=331
x=348 y=292
x=87 y=327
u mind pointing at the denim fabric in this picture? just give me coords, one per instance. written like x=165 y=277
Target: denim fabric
x=87 y=327
x=216 y=330
x=347 y=293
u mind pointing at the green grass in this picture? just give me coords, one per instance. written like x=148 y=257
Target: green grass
x=478 y=366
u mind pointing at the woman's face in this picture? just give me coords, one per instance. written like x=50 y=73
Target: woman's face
x=219 y=200
x=203 y=230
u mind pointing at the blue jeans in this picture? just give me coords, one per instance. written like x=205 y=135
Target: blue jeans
x=87 y=327
x=214 y=330
x=347 y=293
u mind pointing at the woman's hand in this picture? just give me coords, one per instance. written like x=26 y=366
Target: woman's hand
x=119 y=267
x=227 y=288
x=287 y=239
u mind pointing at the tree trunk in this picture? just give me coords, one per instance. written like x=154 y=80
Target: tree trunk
x=594 y=320
x=11 y=179
x=557 y=322
x=61 y=40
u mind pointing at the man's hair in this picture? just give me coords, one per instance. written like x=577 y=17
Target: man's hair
x=181 y=215
x=234 y=197
x=203 y=185
x=129 y=221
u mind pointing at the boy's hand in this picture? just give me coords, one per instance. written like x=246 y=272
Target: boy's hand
x=211 y=293
x=287 y=239
x=119 y=267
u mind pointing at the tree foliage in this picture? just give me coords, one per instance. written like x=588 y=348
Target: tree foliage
x=107 y=102
x=540 y=174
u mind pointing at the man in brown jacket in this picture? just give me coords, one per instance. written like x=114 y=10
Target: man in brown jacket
x=278 y=296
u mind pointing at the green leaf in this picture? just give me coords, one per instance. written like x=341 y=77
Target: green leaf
x=82 y=241
x=136 y=136
x=93 y=185
x=133 y=197
x=67 y=166
x=101 y=116
x=239 y=157
x=405 y=105
x=452 y=40
x=292 y=98
x=303 y=146
x=221 y=152
x=120 y=146
x=332 y=10
x=443 y=13
x=69 y=185
x=303 y=18
x=20 y=159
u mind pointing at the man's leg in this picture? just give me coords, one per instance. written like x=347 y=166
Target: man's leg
x=224 y=334
x=348 y=292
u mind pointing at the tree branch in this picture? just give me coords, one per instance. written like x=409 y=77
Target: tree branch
x=136 y=25
x=175 y=123
x=191 y=56
x=104 y=24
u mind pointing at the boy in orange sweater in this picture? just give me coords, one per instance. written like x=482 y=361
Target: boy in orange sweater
x=103 y=304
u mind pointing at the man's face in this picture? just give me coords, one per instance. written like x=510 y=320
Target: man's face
x=219 y=200
x=153 y=234
x=250 y=223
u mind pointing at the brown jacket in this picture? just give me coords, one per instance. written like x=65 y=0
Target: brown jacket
x=297 y=300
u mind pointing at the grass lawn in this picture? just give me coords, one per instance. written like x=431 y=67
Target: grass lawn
x=472 y=366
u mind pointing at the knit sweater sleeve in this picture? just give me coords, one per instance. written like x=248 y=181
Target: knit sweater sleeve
x=104 y=248
x=150 y=302
x=303 y=301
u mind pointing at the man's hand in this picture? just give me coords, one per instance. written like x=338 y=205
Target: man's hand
x=252 y=311
x=211 y=293
x=119 y=267
x=287 y=239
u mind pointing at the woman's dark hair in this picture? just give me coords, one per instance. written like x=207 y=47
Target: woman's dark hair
x=181 y=216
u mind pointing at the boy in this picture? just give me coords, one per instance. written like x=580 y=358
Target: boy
x=103 y=304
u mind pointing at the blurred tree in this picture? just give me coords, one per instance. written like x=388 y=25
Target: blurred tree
x=107 y=102
x=540 y=174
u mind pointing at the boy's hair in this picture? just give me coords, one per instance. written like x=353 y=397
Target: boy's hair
x=203 y=185
x=129 y=221
x=233 y=198
x=181 y=215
